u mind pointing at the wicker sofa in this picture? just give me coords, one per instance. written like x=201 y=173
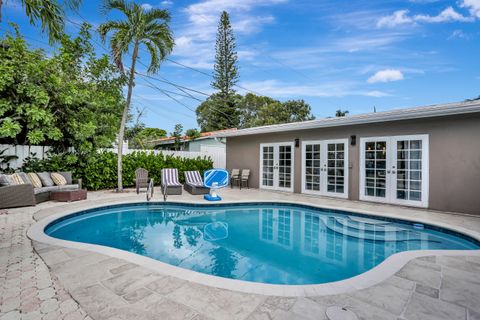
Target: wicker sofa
x=23 y=195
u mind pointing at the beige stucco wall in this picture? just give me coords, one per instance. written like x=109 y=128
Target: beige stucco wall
x=454 y=144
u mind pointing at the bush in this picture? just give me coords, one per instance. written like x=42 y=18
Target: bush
x=99 y=170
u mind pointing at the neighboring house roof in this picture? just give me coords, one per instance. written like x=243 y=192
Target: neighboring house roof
x=375 y=117
x=203 y=135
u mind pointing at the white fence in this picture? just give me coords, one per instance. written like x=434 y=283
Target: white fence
x=22 y=152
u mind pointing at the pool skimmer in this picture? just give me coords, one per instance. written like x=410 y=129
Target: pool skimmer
x=340 y=313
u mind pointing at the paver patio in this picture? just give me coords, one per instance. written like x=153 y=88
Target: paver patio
x=54 y=283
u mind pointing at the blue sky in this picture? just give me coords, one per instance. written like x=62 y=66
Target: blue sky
x=348 y=54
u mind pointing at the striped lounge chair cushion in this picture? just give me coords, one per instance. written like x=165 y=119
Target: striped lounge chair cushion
x=193 y=178
x=170 y=177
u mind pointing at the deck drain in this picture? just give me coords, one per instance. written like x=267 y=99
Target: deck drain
x=338 y=313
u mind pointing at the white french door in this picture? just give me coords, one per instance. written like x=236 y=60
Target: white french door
x=276 y=166
x=325 y=167
x=394 y=169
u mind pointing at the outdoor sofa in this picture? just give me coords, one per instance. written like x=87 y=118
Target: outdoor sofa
x=22 y=195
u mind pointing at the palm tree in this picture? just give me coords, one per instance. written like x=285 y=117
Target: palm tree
x=49 y=13
x=141 y=27
x=340 y=113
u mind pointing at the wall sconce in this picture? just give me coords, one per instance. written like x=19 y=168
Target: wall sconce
x=353 y=140
x=297 y=142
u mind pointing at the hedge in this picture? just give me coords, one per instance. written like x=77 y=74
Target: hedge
x=99 y=170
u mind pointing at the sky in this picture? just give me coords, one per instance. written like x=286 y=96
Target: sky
x=349 y=55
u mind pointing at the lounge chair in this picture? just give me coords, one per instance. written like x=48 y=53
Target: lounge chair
x=170 y=184
x=244 y=178
x=234 y=177
x=194 y=183
x=141 y=179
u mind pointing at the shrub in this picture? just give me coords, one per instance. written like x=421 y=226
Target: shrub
x=99 y=170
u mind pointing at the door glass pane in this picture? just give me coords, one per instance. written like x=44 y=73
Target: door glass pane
x=284 y=166
x=312 y=168
x=267 y=178
x=336 y=168
x=409 y=165
x=375 y=168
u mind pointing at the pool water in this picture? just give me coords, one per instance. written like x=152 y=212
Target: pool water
x=268 y=243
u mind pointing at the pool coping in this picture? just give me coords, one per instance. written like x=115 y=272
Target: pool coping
x=381 y=272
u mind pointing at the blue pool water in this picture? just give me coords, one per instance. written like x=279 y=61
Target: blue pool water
x=268 y=243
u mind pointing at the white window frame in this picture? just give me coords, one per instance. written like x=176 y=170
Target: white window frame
x=323 y=159
x=276 y=146
x=391 y=180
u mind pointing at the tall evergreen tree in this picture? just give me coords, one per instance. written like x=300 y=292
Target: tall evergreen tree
x=225 y=70
x=221 y=108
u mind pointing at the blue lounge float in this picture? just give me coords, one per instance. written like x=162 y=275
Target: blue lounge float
x=215 y=179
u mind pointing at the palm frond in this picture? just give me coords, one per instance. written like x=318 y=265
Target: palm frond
x=157 y=14
x=154 y=56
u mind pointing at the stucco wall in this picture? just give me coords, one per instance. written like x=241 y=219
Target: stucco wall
x=454 y=147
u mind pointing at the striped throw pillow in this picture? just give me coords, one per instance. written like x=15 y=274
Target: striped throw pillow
x=17 y=179
x=35 y=180
x=58 y=179
x=6 y=180
x=24 y=177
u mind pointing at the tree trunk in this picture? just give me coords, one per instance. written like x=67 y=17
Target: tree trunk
x=121 y=133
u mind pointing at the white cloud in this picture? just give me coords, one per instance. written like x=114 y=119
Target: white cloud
x=147 y=6
x=447 y=15
x=402 y=17
x=386 y=75
x=473 y=7
x=458 y=34
x=195 y=42
x=278 y=89
x=166 y=3
x=397 y=18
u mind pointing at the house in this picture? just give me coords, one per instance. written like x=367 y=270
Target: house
x=425 y=156
x=208 y=141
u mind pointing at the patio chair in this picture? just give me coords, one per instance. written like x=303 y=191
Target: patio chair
x=194 y=183
x=141 y=179
x=234 y=177
x=244 y=178
x=170 y=184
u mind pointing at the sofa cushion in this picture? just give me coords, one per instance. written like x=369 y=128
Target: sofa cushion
x=6 y=180
x=24 y=177
x=58 y=179
x=45 y=178
x=45 y=189
x=17 y=179
x=36 y=182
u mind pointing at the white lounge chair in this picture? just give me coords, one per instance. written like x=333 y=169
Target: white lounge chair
x=194 y=183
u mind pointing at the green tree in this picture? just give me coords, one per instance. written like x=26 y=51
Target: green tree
x=192 y=133
x=68 y=99
x=145 y=138
x=219 y=110
x=177 y=134
x=49 y=13
x=260 y=111
x=341 y=113
x=149 y=28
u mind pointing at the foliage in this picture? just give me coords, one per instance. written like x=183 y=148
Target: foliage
x=5 y=161
x=144 y=137
x=219 y=111
x=99 y=170
x=212 y=114
x=341 y=113
x=251 y=111
x=177 y=134
x=141 y=27
x=192 y=134
x=225 y=74
x=70 y=99
x=49 y=13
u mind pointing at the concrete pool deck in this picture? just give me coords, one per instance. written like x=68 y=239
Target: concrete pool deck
x=102 y=287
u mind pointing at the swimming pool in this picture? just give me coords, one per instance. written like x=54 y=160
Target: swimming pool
x=272 y=243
